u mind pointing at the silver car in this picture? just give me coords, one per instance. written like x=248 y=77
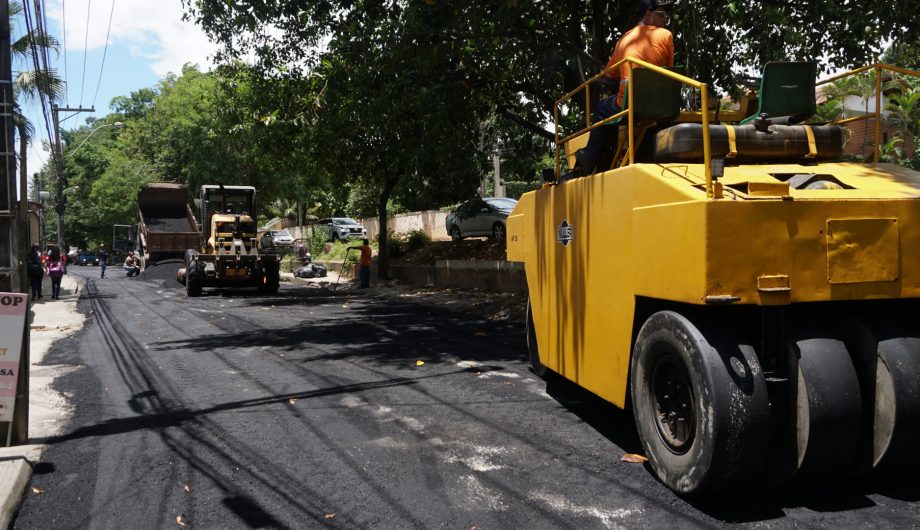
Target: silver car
x=277 y=238
x=480 y=217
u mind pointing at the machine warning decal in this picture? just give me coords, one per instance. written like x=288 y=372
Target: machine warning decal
x=564 y=233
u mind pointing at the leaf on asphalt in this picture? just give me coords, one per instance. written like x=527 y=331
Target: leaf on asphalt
x=187 y=489
x=419 y=363
x=181 y=521
x=329 y=516
x=36 y=490
x=480 y=334
x=633 y=458
x=292 y=401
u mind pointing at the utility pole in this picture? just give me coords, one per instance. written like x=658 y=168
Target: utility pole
x=59 y=169
x=12 y=273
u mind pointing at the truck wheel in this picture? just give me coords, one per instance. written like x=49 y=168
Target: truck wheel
x=194 y=281
x=700 y=404
x=455 y=234
x=538 y=368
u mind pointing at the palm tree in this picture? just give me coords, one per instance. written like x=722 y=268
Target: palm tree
x=29 y=84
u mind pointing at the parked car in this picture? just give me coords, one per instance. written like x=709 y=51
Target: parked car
x=336 y=228
x=480 y=217
x=87 y=258
x=277 y=238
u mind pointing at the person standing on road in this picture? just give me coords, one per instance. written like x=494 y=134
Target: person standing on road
x=103 y=256
x=36 y=271
x=649 y=41
x=56 y=271
x=131 y=267
x=364 y=269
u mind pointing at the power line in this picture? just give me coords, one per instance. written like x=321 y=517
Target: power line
x=64 y=41
x=36 y=62
x=104 y=51
x=89 y=5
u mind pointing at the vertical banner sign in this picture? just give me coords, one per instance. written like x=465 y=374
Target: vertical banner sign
x=13 y=307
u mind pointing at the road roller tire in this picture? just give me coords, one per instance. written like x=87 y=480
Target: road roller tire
x=538 y=368
x=823 y=425
x=896 y=421
x=700 y=403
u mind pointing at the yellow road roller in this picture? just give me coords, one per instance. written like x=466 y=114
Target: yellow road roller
x=754 y=299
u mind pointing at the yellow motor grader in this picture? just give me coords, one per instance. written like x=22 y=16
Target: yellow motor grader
x=229 y=254
x=754 y=299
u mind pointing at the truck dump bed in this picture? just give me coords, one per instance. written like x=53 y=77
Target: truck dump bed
x=166 y=225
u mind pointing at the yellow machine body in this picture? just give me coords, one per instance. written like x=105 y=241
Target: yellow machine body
x=594 y=245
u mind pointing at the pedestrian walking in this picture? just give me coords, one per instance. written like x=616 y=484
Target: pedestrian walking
x=56 y=271
x=36 y=271
x=364 y=262
x=103 y=257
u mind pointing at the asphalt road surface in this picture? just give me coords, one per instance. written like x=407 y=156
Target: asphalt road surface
x=311 y=409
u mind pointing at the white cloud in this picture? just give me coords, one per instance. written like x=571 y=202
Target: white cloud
x=153 y=31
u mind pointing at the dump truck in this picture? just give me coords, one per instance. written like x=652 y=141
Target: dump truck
x=228 y=254
x=166 y=226
x=751 y=297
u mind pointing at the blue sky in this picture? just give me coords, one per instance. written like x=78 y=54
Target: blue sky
x=147 y=40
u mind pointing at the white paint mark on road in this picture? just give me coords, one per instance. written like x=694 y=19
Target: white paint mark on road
x=509 y=375
x=476 y=457
x=353 y=401
x=482 y=495
x=390 y=443
x=469 y=364
x=607 y=516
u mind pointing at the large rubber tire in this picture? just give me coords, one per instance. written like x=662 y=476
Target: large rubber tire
x=896 y=422
x=194 y=281
x=824 y=409
x=700 y=404
x=455 y=234
x=271 y=279
x=538 y=368
x=498 y=231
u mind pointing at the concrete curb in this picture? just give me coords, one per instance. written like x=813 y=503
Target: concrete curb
x=14 y=476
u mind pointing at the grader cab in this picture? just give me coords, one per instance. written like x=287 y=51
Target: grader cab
x=751 y=297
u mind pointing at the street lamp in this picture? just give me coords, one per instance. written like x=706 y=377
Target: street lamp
x=59 y=208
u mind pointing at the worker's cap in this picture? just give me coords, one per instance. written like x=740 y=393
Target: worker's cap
x=650 y=5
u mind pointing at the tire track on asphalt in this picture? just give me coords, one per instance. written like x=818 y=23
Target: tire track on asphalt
x=128 y=353
x=551 y=513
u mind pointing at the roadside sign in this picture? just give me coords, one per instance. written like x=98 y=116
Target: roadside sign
x=13 y=307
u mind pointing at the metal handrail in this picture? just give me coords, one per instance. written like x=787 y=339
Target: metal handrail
x=631 y=62
x=878 y=67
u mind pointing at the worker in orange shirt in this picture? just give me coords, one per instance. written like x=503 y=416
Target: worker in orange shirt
x=649 y=41
x=364 y=262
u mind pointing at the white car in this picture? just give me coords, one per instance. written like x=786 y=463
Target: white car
x=277 y=238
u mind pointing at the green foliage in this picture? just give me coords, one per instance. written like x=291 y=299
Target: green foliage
x=416 y=239
x=515 y=189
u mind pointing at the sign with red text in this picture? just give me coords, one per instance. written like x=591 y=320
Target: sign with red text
x=13 y=308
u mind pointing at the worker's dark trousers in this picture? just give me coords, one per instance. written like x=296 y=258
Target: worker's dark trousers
x=364 y=274
x=602 y=138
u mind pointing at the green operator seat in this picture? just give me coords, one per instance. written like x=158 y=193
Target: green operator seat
x=786 y=89
x=656 y=102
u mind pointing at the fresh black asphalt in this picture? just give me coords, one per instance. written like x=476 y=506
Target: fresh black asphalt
x=353 y=410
